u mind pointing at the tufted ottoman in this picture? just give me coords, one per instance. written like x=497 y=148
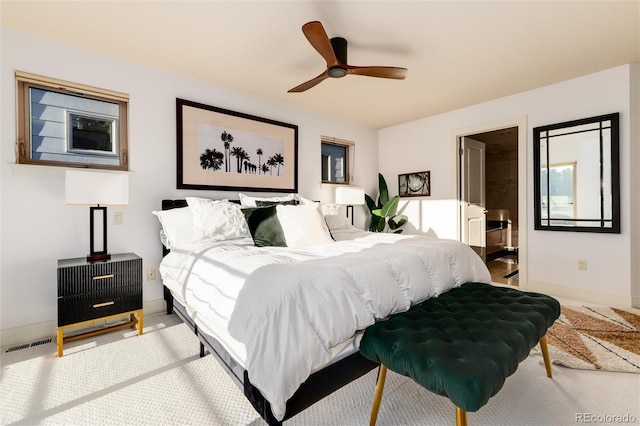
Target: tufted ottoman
x=462 y=344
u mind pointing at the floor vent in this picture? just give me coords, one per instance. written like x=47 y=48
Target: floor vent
x=41 y=342
x=29 y=345
x=17 y=348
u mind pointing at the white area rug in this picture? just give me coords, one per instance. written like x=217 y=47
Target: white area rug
x=158 y=379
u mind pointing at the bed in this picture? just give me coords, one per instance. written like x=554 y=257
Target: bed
x=250 y=302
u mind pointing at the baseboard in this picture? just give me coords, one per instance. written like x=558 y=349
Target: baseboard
x=32 y=332
x=582 y=295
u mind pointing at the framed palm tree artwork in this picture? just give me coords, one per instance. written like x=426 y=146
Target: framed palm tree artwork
x=220 y=149
x=414 y=184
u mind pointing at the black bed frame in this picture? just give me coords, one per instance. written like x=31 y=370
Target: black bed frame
x=317 y=386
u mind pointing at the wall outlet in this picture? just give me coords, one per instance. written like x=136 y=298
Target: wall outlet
x=151 y=274
x=118 y=218
x=582 y=265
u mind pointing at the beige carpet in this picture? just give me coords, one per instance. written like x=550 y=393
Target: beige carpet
x=158 y=379
x=596 y=338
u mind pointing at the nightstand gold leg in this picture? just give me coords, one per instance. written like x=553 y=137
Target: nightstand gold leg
x=60 y=341
x=140 y=323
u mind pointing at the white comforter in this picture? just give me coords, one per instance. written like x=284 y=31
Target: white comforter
x=289 y=315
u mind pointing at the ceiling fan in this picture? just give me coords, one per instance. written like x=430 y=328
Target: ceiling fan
x=334 y=51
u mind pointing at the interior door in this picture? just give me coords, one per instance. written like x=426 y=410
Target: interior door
x=473 y=192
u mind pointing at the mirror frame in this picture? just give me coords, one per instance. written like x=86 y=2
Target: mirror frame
x=615 y=177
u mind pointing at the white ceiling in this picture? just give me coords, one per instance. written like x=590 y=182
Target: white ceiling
x=458 y=53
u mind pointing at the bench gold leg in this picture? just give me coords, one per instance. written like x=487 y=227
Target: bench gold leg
x=382 y=375
x=545 y=355
x=461 y=417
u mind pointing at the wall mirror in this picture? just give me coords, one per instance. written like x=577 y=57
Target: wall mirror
x=577 y=175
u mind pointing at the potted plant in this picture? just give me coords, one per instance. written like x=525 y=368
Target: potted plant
x=383 y=212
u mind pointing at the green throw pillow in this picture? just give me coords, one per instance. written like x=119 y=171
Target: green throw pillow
x=264 y=226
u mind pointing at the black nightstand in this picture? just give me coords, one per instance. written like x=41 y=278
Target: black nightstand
x=88 y=291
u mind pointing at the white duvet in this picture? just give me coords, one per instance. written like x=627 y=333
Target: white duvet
x=290 y=312
x=286 y=309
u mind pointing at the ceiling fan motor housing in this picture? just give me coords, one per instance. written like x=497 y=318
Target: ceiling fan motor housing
x=339 y=46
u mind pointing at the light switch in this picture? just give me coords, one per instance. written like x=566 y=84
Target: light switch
x=118 y=218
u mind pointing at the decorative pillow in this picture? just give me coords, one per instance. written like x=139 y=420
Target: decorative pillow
x=303 y=225
x=335 y=216
x=177 y=226
x=260 y=203
x=247 y=201
x=305 y=200
x=216 y=220
x=264 y=226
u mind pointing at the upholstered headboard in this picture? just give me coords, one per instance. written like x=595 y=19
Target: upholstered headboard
x=173 y=204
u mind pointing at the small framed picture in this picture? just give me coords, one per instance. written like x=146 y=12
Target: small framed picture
x=414 y=184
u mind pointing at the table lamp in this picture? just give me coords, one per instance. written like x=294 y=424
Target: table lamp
x=350 y=196
x=97 y=189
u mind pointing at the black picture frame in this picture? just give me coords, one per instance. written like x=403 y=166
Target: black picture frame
x=217 y=149
x=422 y=187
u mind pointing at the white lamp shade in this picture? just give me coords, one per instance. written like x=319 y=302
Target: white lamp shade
x=84 y=187
x=350 y=195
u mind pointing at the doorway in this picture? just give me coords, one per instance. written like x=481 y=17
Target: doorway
x=503 y=211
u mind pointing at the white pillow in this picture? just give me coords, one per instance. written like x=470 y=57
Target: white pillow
x=177 y=225
x=334 y=214
x=303 y=225
x=247 y=201
x=217 y=220
x=336 y=217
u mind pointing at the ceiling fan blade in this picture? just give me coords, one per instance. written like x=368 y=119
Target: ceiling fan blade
x=317 y=36
x=309 y=84
x=384 y=72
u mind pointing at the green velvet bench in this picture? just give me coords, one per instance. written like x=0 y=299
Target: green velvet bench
x=462 y=344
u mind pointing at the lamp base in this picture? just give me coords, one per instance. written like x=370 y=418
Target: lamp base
x=350 y=207
x=99 y=257
x=97 y=214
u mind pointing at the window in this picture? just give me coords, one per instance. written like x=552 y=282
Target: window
x=67 y=124
x=335 y=160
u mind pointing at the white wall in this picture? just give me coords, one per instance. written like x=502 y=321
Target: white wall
x=634 y=160
x=427 y=144
x=37 y=228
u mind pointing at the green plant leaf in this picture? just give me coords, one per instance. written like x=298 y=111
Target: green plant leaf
x=384 y=191
x=383 y=208
x=397 y=221
x=370 y=203
x=377 y=224
x=390 y=206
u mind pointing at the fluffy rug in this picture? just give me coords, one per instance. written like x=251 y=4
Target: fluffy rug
x=596 y=338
